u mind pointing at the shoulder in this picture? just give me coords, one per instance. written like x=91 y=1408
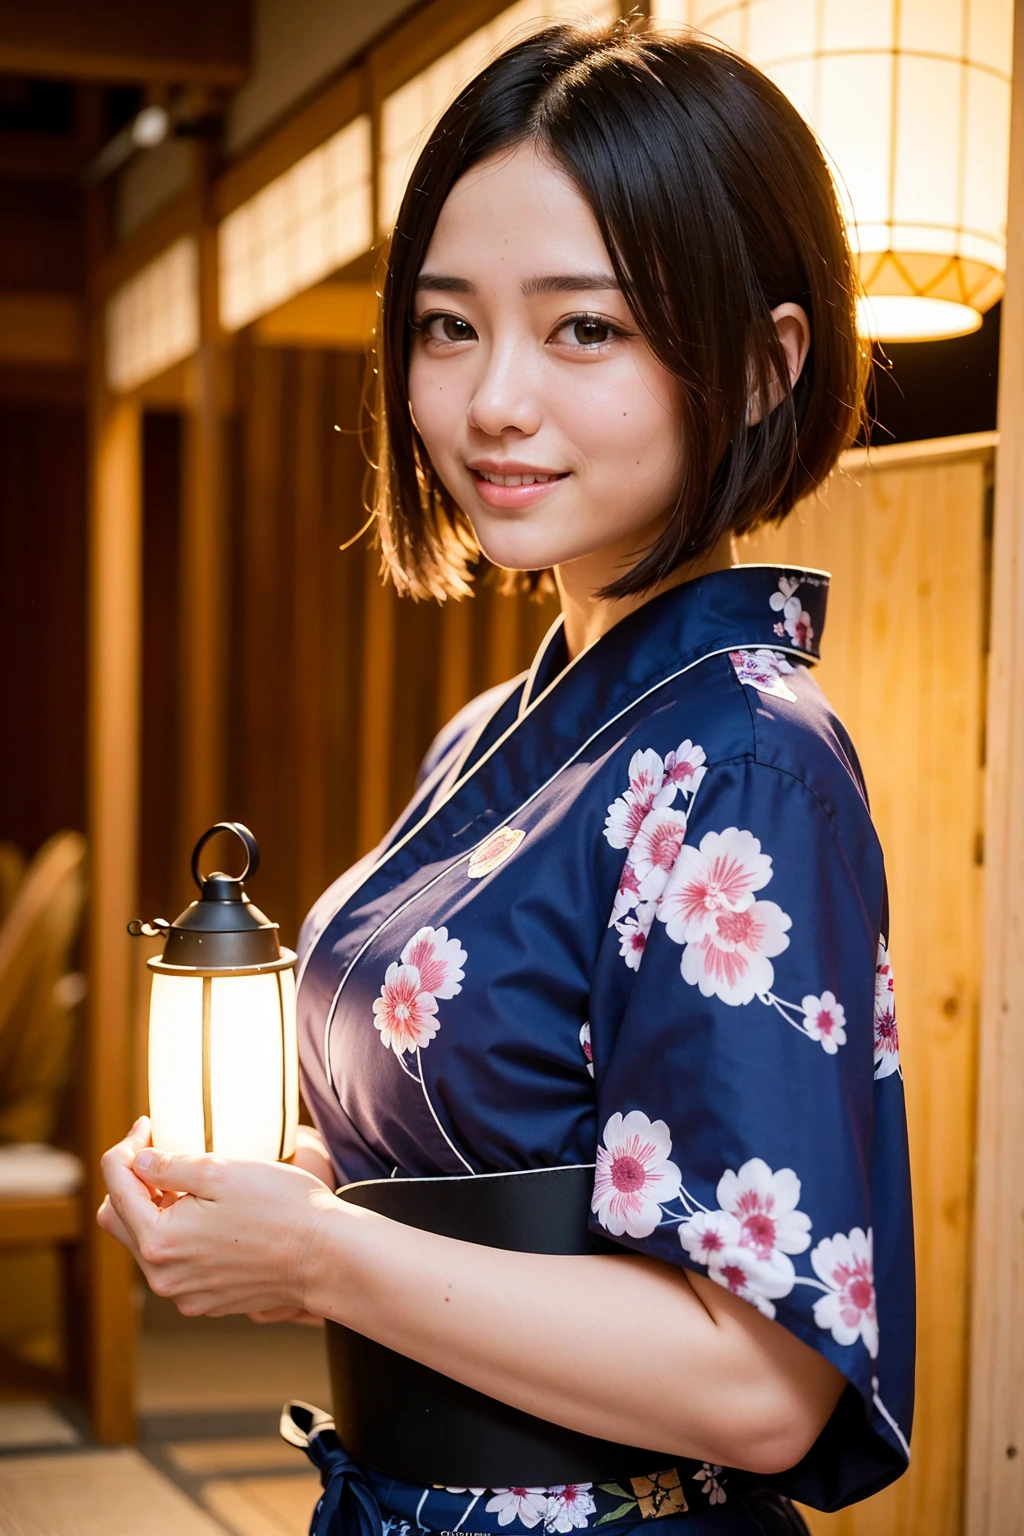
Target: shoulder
x=766 y=711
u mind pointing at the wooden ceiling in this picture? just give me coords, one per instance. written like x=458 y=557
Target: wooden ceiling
x=202 y=42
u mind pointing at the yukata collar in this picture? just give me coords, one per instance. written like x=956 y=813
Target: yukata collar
x=744 y=607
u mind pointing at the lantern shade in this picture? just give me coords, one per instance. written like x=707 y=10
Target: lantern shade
x=911 y=103
x=238 y=1096
x=223 y=1055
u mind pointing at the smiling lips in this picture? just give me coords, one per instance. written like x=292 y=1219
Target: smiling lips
x=520 y=489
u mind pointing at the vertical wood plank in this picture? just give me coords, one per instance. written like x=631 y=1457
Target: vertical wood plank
x=903 y=667
x=456 y=640
x=995 y=1487
x=203 y=576
x=307 y=690
x=115 y=643
x=381 y=700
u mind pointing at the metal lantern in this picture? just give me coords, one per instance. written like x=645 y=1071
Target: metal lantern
x=223 y=1061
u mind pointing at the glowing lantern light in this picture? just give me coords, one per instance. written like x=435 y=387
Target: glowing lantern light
x=223 y=1060
x=911 y=102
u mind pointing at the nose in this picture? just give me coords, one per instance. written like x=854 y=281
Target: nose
x=506 y=397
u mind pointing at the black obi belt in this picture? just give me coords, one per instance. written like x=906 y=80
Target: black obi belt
x=410 y=1422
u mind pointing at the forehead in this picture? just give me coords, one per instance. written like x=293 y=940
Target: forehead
x=512 y=215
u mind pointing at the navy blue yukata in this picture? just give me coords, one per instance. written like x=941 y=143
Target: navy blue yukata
x=636 y=917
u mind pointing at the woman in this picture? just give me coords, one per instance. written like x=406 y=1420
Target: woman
x=636 y=913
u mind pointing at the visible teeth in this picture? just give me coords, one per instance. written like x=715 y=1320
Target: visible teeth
x=515 y=479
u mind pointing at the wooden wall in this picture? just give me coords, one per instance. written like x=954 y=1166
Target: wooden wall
x=337 y=687
x=904 y=666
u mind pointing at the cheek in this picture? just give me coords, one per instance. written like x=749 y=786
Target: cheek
x=435 y=406
x=633 y=420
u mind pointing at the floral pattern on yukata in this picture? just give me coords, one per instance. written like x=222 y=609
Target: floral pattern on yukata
x=764 y=670
x=747 y=1243
x=707 y=898
x=795 y=621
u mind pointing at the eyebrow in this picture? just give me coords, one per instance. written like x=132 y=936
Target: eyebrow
x=560 y=282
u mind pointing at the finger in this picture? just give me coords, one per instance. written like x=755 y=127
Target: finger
x=131 y=1200
x=200 y=1175
x=111 y=1223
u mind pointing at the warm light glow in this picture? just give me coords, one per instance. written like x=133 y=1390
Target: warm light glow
x=892 y=317
x=297 y=229
x=911 y=101
x=253 y=1064
x=409 y=113
x=152 y=320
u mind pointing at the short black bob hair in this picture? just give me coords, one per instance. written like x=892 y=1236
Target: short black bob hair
x=716 y=205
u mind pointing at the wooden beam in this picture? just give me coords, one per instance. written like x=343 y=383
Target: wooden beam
x=124 y=260
x=995 y=1454
x=340 y=315
x=42 y=329
x=307 y=128
x=115 y=640
x=201 y=41
x=203 y=623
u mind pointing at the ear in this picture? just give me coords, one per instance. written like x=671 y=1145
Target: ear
x=794 y=329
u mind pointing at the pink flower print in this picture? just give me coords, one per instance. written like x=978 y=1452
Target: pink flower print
x=655 y=850
x=719 y=876
x=628 y=894
x=404 y=1012
x=707 y=1235
x=825 y=1020
x=685 y=767
x=586 y=1047
x=569 y=1507
x=634 y=1175
x=844 y=1264
x=763 y=670
x=760 y=1282
x=633 y=933
x=734 y=961
x=646 y=790
x=438 y=959
x=765 y=1205
x=529 y=1505
x=887 y=1040
x=796 y=621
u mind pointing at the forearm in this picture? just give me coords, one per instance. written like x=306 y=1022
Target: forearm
x=623 y=1348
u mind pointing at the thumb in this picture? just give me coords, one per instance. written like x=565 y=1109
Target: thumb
x=189 y=1175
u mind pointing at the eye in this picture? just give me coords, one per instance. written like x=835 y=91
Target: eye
x=587 y=332
x=442 y=327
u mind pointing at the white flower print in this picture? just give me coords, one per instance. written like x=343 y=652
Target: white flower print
x=526 y=1504
x=765 y=1205
x=796 y=621
x=633 y=933
x=628 y=894
x=844 y=1263
x=685 y=766
x=763 y=670
x=708 y=1477
x=746 y=1243
x=586 y=1047
x=734 y=963
x=825 y=1020
x=721 y=875
x=646 y=791
x=634 y=1175
x=404 y=1012
x=438 y=959
x=655 y=850
x=887 y=1040
x=569 y=1507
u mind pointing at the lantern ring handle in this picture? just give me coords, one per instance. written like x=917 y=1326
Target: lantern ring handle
x=252 y=850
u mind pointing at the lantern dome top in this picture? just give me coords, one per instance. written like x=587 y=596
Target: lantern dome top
x=222 y=931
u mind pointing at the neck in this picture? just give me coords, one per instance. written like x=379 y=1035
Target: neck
x=586 y=617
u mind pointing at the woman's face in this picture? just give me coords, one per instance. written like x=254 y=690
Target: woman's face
x=542 y=408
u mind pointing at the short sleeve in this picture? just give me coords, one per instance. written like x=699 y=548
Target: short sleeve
x=750 y=1103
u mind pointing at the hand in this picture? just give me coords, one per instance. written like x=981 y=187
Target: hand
x=238 y=1236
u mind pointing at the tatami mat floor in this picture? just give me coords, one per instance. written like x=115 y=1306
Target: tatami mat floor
x=209 y=1460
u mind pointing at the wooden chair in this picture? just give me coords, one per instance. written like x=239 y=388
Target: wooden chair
x=38 y=1001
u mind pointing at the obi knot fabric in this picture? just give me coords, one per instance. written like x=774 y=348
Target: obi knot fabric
x=636 y=916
